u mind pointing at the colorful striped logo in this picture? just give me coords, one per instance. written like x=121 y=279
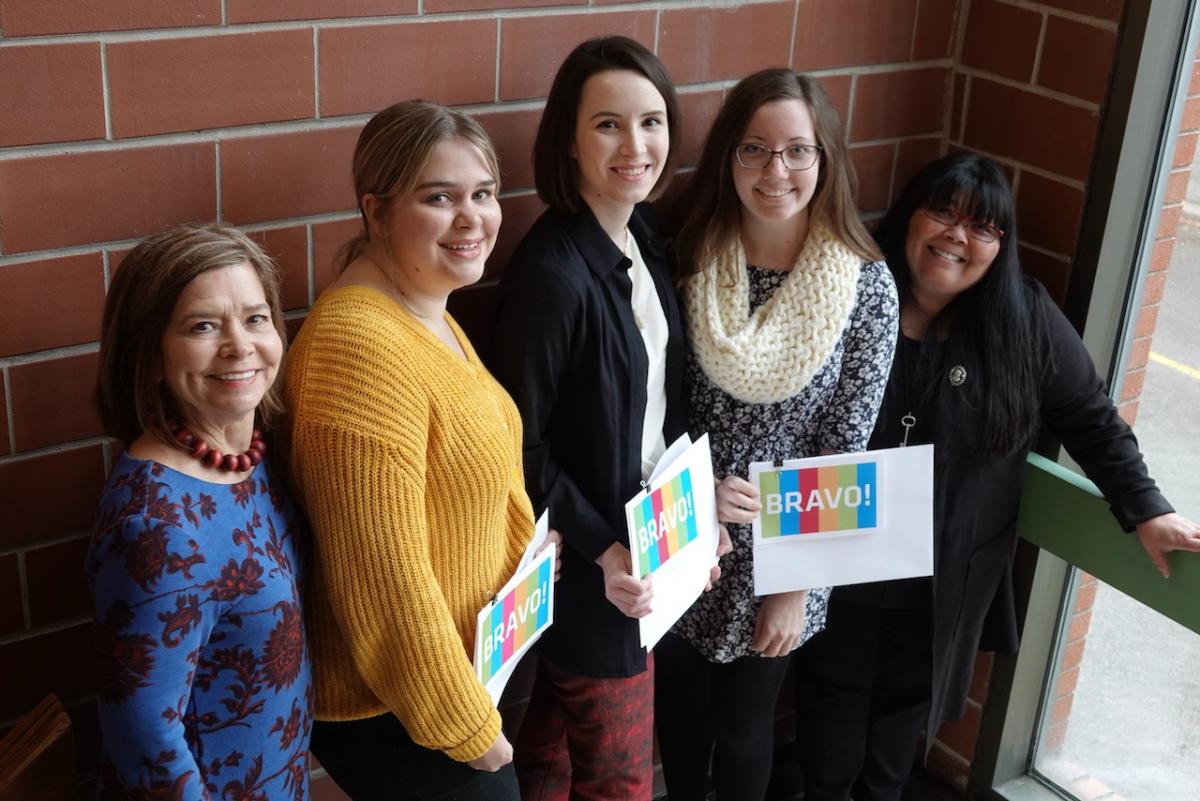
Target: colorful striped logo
x=818 y=500
x=665 y=522
x=517 y=617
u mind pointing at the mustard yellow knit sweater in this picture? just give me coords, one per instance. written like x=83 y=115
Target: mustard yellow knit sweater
x=407 y=460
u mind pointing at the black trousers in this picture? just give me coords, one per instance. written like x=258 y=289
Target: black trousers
x=375 y=760
x=862 y=698
x=725 y=712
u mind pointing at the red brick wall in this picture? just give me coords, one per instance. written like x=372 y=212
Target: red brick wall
x=121 y=117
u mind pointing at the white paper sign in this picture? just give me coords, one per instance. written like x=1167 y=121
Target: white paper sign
x=522 y=610
x=673 y=533
x=843 y=519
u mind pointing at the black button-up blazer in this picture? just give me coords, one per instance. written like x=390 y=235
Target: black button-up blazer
x=565 y=345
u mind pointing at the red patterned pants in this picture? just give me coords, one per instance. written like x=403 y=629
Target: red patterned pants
x=587 y=739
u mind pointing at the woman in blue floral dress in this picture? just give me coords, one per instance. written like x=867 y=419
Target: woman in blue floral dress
x=203 y=670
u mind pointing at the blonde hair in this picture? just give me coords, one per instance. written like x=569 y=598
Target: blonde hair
x=130 y=394
x=392 y=150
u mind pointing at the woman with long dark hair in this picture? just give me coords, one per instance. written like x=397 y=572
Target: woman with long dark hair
x=791 y=316
x=984 y=361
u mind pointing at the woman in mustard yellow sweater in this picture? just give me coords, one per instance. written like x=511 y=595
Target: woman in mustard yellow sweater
x=406 y=455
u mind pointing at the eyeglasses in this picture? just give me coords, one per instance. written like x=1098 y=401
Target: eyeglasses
x=976 y=229
x=795 y=157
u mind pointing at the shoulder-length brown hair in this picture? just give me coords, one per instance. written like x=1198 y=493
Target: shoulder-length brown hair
x=392 y=150
x=555 y=172
x=712 y=225
x=130 y=393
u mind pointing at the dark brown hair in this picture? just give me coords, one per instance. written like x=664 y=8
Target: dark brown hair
x=394 y=147
x=555 y=172
x=130 y=393
x=712 y=226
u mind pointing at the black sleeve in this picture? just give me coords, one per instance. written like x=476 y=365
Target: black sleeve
x=537 y=323
x=1077 y=410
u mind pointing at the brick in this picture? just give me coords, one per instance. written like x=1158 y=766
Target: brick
x=698 y=110
x=441 y=6
x=831 y=33
x=1135 y=380
x=38 y=17
x=1068 y=680
x=532 y=47
x=365 y=69
x=274 y=10
x=1109 y=10
x=838 y=87
x=1049 y=212
x=11 y=615
x=328 y=238
x=911 y=156
x=981 y=677
x=1155 y=286
x=4 y=443
x=1002 y=39
x=893 y=104
x=1185 y=148
x=1168 y=222
x=1056 y=735
x=1085 y=598
x=520 y=212
x=1160 y=256
x=937 y=20
x=59 y=662
x=1052 y=271
x=873 y=165
x=1000 y=121
x=280 y=176
x=51 y=93
x=52 y=401
x=1139 y=354
x=167 y=85
x=960 y=735
x=289 y=248
x=1073 y=654
x=1077 y=58
x=1089 y=788
x=960 y=99
x=49 y=495
x=1194 y=84
x=80 y=198
x=1128 y=412
x=1080 y=623
x=1191 y=116
x=43 y=291
x=1177 y=184
x=513 y=134
x=58 y=589
x=695 y=43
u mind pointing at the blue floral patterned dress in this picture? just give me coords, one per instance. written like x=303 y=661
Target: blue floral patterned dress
x=203 y=671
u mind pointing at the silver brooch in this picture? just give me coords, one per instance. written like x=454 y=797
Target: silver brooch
x=958 y=375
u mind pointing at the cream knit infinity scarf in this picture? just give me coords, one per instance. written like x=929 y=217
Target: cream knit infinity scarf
x=772 y=354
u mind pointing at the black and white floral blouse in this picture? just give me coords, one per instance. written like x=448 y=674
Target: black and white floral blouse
x=834 y=413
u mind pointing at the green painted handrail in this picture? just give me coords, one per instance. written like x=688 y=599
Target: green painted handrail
x=1065 y=514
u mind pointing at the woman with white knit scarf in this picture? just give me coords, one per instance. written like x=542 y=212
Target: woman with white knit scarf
x=791 y=316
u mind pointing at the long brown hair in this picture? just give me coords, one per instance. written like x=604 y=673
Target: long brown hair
x=712 y=226
x=130 y=394
x=394 y=147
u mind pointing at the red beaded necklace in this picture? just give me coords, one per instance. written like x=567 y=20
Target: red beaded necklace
x=212 y=457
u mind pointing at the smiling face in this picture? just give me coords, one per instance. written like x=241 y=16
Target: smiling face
x=943 y=260
x=621 y=141
x=442 y=232
x=221 y=350
x=774 y=193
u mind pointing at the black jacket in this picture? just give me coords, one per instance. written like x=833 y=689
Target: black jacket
x=565 y=346
x=976 y=498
